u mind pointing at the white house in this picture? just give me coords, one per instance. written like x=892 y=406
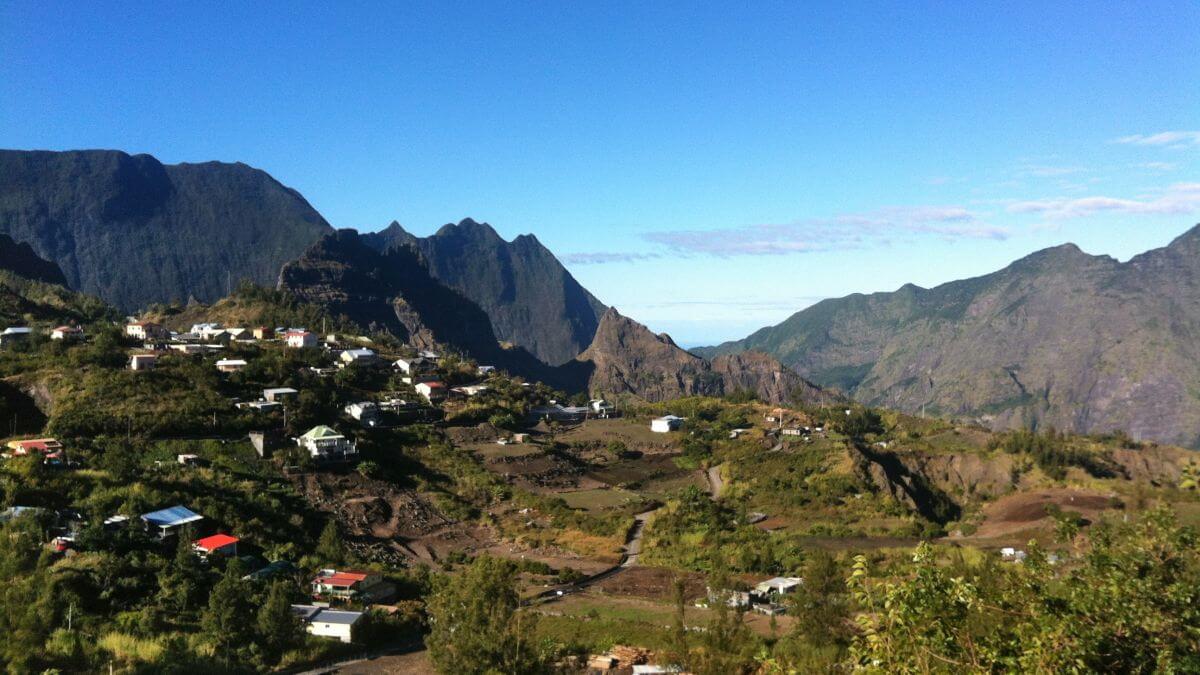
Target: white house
x=366 y=412
x=143 y=361
x=146 y=330
x=279 y=394
x=666 y=423
x=231 y=365
x=326 y=444
x=410 y=366
x=778 y=586
x=361 y=357
x=300 y=339
x=432 y=391
x=485 y=370
x=206 y=331
x=14 y=334
x=429 y=355
x=325 y=622
x=471 y=389
x=601 y=408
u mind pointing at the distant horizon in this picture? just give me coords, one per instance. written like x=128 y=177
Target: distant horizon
x=709 y=170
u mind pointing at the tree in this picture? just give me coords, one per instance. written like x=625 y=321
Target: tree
x=278 y=628
x=819 y=605
x=330 y=547
x=179 y=584
x=1131 y=604
x=476 y=625
x=226 y=622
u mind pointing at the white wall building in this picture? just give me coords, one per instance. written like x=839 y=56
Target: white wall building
x=666 y=423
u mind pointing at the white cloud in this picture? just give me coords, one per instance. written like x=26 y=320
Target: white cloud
x=847 y=231
x=602 y=257
x=1163 y=138
x=1178 y=199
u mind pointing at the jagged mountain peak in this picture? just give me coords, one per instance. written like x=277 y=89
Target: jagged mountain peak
x=531 y=299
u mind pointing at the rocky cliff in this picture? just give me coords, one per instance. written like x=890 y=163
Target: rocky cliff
x=133 y=231
x=627 y=358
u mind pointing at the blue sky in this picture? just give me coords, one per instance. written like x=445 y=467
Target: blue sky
x=707 y=170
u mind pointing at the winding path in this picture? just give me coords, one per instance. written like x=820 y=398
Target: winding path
x=633 y=545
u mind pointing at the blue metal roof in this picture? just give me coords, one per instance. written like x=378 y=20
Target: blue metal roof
x=172 y=517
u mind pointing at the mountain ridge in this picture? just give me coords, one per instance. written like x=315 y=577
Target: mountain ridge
x=532 y=300
x=135 y=231
x=1051 y=339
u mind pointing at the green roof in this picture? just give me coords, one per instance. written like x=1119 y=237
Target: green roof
x=320 y=432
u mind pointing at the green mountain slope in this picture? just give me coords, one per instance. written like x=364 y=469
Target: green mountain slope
x=1059 y=338
x=134 y=231
x=532 y=300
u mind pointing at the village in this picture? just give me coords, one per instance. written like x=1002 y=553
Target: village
x=590 y=487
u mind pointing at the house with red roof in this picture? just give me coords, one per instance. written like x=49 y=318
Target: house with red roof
x=67 y=333
x=352 y=586
x=222 y=544
x=48 y=448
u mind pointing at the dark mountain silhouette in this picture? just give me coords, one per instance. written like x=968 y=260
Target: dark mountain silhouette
x=532 y=300
x=1059 y=338
x=134 y=231
x=392 y=291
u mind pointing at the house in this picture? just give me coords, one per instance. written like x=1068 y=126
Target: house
x=168 y=521
x=263 y=333
x=432 y=391
x=666 y=423
x=793 y=431
x=143 y=362
x=366 y=412
x=352 y=585
x=48 y=447
x=192 y=348
x=259 y=406
x=280 y=394
x=67 y=333
x=189 y=459
x=429 y=355
x=300 y=339
x=773 y=588
x=484 y=371
x=601 y=408
x=222 y=544
x=410 y=366
x=146 y=330
x=558 y=413
x=237 y=333
x=471 y=390
x=326 y=444
x=13 y=335
x=358 y=357
x=325 y=622
x=231 y=365
x=206 y=331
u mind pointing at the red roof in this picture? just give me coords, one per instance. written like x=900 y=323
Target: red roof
x=345 y=579
x=216 y=541
x=42 y=444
